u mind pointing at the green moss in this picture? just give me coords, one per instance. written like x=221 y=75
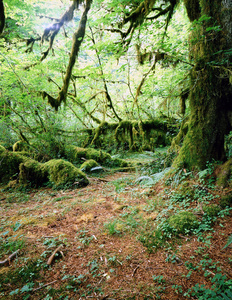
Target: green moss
x=211 y=210
x=64 y=174
x=186 y=189
x=183 y=222
x=77 y=154
x=20 y=146
x=10 y=162
x=32 y=173
x=2 y=149
x=226 y=201
x=88 y=165
x=224 y=174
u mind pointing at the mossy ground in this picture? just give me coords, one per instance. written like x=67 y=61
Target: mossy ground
x=108 y=231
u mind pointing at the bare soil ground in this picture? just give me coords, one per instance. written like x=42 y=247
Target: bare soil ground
x=102 y=257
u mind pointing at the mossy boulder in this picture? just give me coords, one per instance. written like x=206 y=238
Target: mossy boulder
x=88 y=165
x=64 y=174
x=183 y=222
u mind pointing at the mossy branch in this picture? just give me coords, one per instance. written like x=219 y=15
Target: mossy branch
x=78 y=37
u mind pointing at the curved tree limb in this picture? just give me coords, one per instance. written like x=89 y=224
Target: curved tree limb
x=78 y=37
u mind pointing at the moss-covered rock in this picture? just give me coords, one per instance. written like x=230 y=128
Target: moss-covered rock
x=64 y=174
x=88 y=165
x=183 y=222
x=211 y=210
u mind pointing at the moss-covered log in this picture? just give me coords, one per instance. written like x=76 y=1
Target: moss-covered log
x=77 y=155
x=57 y=172
x=64 y=174
x=133 y=134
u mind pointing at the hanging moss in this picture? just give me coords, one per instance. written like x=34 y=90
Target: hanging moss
x=2 y=149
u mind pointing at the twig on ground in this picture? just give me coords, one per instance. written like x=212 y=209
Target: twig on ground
x=7 y=260
x=51 y=258
x=43 y=286
x=133 y=274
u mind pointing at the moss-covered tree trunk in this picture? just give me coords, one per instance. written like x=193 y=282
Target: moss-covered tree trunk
x=2 y=16
x=211 y=77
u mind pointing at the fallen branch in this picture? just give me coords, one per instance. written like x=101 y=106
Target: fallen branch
x=43 y=286
x=133 y=274
x=8 y=260
x=51 y=258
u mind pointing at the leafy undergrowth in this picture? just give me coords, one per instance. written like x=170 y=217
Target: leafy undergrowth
x=124 y=236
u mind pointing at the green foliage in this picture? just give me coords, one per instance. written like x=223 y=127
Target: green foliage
x=184 y=222
x=221 y=289
x=24 y=276
x=9 y=245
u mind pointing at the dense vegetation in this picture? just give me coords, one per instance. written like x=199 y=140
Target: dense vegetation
x=91 y=88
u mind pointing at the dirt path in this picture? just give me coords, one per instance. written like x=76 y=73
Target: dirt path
x=100 y=228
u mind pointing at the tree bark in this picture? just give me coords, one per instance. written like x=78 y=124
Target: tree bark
x=2 y=16
x=211 y=88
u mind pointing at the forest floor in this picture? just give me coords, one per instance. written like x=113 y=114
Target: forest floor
x=106 y=249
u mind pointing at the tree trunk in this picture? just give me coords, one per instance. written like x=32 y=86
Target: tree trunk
x=2 y=16
x=211 y=89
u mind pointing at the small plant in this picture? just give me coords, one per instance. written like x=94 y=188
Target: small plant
x=114 y=227
x=152 y=240
x=221 y=289
x=211 y=210
x=229 y=242
x=159 y=278
x=83 y=238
